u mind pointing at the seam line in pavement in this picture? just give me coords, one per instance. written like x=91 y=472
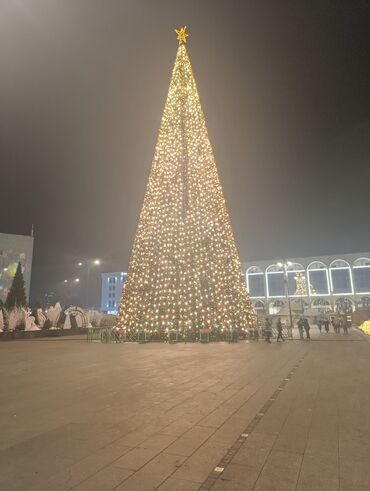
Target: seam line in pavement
x=230 y=454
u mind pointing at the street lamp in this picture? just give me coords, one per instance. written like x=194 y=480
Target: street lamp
x=285 y=265
x=77 y=280
x=88 y=263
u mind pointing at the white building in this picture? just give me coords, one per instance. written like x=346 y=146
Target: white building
x=111 y=290
x=340 y=282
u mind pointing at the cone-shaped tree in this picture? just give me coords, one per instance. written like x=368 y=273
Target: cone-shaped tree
x=17 y=293
x=184 y=271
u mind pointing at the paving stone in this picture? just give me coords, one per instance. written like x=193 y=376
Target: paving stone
x=172 y=484
x=107 y=478
x=153 y=474
x=190 y=441
x=98 y=422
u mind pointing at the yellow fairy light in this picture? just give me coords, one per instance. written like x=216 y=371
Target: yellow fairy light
x=184 y=270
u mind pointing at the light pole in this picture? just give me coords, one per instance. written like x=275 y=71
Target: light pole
x=285 y=265
x=89 y=264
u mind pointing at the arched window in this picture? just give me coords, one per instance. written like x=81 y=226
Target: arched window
x=344 y=305
x=275 y=281
x=255 y=282
x=259 y=306
x=321 y=304
x=361 y=275
x=364 y=303
x=297 y=283
x=275 y=307
x=318 y=278
x=340 y=277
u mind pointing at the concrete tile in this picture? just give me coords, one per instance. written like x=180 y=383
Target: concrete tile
x=241 y=474
x=107 y=478
x=255 y=450
x=190 y=441
x=153 y=474
x=172 y=484
x=201 y=463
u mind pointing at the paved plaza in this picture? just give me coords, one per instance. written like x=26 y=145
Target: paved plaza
x=245 y=416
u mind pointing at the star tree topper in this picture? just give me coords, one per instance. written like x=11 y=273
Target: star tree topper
x=181 y=35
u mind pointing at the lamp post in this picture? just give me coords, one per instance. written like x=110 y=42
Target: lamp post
x=285 y=265
x=89 y=264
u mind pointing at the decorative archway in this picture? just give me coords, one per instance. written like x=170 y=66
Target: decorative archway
x=344 y=305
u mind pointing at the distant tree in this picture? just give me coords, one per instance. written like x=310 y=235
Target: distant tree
x=17 y=293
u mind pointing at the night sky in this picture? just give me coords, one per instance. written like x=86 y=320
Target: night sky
x=284 y=87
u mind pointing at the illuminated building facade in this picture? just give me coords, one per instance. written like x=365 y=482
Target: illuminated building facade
x=14 y=248
x=334 y=283
x=111 y=290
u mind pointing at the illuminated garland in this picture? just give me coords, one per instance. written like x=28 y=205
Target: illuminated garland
x=185 y=272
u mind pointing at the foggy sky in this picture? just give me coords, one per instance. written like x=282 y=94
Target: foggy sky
x=285 y=91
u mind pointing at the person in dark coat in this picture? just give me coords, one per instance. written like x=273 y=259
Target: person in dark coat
x=306 y=327
x=326 y=325
x=300 y=327
x=279 y=328
x=319 y=324
x=267 y=330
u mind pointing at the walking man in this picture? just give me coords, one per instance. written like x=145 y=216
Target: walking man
x=306 y=328
x=279 y=327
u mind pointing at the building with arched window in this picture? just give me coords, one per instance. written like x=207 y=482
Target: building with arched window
x=326 y=283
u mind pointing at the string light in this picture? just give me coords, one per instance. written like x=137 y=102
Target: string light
x=184 y=272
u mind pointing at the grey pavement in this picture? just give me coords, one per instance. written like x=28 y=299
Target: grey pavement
x=90 y=416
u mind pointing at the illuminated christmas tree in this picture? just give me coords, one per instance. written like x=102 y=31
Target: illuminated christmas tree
x=184 y=272
x=301 y=285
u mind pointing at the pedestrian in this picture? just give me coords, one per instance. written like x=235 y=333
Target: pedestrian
x=267 y=330
x=279 y=327
x=306 y=328
x=326 y=325
x=345 y=327
x=319 y=324
x=300 y=327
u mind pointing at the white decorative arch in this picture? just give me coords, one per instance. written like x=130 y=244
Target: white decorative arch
x=259 y=305
x=344 y=304
x=361 y=262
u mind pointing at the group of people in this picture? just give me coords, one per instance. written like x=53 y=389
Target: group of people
x=303 y=325
x=268 y=330
x=336 y=323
